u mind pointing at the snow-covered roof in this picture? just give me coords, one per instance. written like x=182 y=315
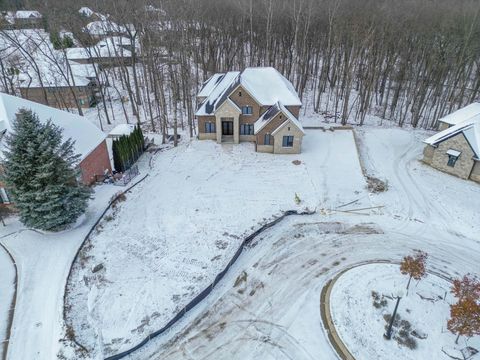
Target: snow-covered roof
x=216 y=94
x=268 y=86
x=122 y=129
x=86 y=135
x=86 y=11
x=52 y=77
x=270 y=114
x=104 y=27
x=265 y=84
x=470 y=129
x=109 y=47
x=27 y=14
x=210 y=84
x=462 y=114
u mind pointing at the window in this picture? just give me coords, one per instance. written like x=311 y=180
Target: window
x=246 y=129
x=4 y=196
x=452 y=157
x=239 y=93
x=209 y=127
x=267 y=140
x=452 y=160
x=247 y=110
x=287 y=141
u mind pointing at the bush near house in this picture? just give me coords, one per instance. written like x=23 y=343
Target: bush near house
x=127 y=149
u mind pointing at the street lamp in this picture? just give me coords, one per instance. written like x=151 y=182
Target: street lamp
x=388 y=334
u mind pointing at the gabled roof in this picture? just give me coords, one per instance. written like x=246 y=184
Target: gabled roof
x=265 y=84
x=86 y=135
x=470 y=129
x=216 y=93
x=462 y=114
x=270 y=114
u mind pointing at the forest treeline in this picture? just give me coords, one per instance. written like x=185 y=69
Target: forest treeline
x=409 y=61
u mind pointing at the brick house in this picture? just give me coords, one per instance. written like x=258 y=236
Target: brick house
x=89 y=140
x=60 y=94
x=456 y=149
x=258 y=105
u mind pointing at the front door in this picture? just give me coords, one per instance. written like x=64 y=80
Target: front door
x=227 y=127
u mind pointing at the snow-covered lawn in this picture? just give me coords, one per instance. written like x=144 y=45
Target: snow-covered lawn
x=361 y=325
x=180 y=227
x=43 y=262
x=291 y=263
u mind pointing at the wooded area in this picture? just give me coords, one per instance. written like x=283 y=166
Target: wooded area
x=408 y=61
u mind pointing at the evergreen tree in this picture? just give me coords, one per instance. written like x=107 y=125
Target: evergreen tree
x=40 y=174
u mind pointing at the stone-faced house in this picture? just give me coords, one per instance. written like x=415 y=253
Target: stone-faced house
x=89 y=140
x=456 y=149
x=258 y=105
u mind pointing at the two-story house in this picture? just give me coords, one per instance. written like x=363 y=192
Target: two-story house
x=258 y=105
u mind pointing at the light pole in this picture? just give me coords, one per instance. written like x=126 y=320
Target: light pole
x=388 y=334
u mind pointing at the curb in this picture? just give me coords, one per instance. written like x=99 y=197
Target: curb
x=6 y=342
x=326 y=315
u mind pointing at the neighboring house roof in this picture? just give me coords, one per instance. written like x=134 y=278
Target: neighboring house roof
x=83 y=74
x=462 y=114
x=87 y=136
x=104 y=27
x=26 y=14
x=470 y=129
x=270 y=114
x=265 y=84
x=110 y=47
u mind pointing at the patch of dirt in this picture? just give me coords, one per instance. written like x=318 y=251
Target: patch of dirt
x=296 y=162
x=376 y=185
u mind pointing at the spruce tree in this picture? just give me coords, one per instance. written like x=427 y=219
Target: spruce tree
x=40 y=174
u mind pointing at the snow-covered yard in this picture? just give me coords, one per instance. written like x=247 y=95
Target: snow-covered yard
x=362 y=296
x=179 y=228
x=275 y=313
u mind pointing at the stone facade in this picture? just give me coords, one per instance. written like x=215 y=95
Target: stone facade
x=475 y=174
x=95 y=164
x=439 y=158
x=60 y=97
x=442 y=126
x=288 y=129
x=228 y=111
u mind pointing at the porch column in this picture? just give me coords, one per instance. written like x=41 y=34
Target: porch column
x=236 y=129
x=218 y=128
